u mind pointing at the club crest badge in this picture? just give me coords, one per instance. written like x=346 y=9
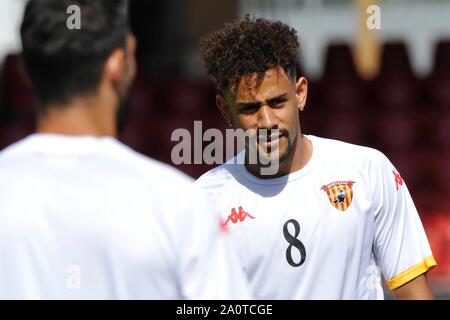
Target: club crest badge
x=340 y=194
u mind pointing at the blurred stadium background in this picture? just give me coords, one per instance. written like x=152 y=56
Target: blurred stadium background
x=388 y=88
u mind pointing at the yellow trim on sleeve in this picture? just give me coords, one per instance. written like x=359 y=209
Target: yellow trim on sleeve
x=427 y=264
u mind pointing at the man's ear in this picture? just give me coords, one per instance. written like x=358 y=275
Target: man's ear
x=301 y=92
x=224 y=108
x=115 y=68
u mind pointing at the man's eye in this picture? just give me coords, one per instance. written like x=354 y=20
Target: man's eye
x=278 y=103
x=248 y=109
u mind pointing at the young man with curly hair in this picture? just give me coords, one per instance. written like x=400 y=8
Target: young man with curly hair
x=334 y=213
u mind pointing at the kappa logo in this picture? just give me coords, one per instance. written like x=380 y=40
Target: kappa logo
x=398 y=179
x=236 y=217
x=340 y=194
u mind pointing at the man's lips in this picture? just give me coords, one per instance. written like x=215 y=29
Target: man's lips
x=270 y=140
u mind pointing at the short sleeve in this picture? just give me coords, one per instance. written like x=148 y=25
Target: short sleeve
x=400 y=244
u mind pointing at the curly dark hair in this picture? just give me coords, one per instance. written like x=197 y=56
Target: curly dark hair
x=252 y=45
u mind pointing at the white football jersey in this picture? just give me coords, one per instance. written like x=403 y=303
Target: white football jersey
x=88 y=218
x=325 y=231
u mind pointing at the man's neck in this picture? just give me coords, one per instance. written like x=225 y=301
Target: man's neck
x=83 y=117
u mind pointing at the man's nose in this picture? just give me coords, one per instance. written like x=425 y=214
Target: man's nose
x=266 y=118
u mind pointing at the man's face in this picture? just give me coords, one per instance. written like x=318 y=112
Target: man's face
x=274 y=104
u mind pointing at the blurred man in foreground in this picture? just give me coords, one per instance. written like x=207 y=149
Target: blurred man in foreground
x=81 y=215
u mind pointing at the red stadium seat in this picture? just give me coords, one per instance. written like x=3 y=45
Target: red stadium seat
x=142 y=98
x=442 y=57
x=441 y=168
x=339 y=60
x=341 y=86
x=395 y=59
x=187 y=99
x=439 y=130
x=314 y=102
x=348 y=127
x=143 y=133
x=396 y=87
x=438 y=82
x=437 y=88
x=344 y=94
x=313 y=122
x=396 y=131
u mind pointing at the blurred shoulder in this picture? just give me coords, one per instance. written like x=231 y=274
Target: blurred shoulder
x=152 y=169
